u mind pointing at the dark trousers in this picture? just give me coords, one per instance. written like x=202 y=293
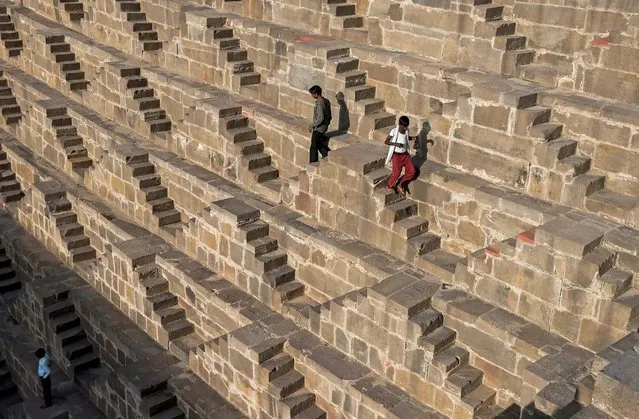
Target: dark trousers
x=319 y=143
x=46 y=390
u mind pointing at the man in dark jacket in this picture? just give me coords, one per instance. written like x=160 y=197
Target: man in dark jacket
x=321 y=120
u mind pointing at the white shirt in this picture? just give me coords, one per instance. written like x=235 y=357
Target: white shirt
x=401 y=139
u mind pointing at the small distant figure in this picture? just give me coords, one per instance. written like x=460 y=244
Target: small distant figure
x=44 y=372
x=399 y=154
x=321 y=120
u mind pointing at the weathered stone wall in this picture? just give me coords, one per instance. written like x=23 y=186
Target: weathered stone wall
x=133 y=361
x=194 y=108
x=576 y=45
x=565 y=276
x=607 y=133
x=586 y=43
x=503 y=123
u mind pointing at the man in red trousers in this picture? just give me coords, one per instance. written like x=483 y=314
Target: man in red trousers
x=399 y=155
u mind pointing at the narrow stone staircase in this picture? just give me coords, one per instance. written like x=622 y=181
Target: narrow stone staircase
x=254 y=165
x=161 y=405
x=150 y=386
x=74 y=8
x=137 y=20
x=267 y=260
x=582 y=186
x=70 y=336
x=559 y=153
x=400 y=215
x=619 y=282
x=344 y=14
x=9 y=393
x=65 y=59
x=358 y=95
x=162 y=305
x=71 y=232
x=148 y=104
x=445 y=364
x=287 y=386
x=601 y=271
x=73 y=144
x=9 y=186
x=11 y=113
x=9 y=280
x=240 y=69
x=513 y=47
x=8 y=34
x=156 y=196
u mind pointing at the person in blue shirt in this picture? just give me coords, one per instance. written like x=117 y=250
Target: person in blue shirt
x=44 y=372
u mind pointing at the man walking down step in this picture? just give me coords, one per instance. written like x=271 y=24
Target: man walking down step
x=321 y=120
x=399 y=155
x=44 y=372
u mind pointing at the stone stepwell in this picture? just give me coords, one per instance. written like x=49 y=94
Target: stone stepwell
x=164 y=237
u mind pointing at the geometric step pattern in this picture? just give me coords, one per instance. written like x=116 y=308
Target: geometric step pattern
x=71 y=232
x=8 y=34
x=287 y=386
x=9 y=187
x=561 y=156
x=9 y=280
x=514 y=46
x=155 y=195
x=251 y=150
x=345 y=12
x=11 y=113
x=161 y=405
x=162 y=305
x=271 y=263
x=147 y=103
x=137 y=19
x=357 y=93
x=67 y=135
x=62 y=55
x=9 y=392
x=74 y=8
x=70 y=336
x=448 y=363
x=242 y=69
x=401 y=216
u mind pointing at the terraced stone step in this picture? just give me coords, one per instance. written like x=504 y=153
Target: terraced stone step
x=440 y=263
x=85 y=362
x=158 y=403
x=464 y=380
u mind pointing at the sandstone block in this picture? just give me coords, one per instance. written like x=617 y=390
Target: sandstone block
x=619 y=378
x=495 y=117
x=567 y=236
x=550 y=15
x=236 y=211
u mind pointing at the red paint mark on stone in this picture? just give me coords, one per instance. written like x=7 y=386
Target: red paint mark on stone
x=306 y=38
x=527 y=236
x=601 y=42
x=493 y=250
x=312 y=38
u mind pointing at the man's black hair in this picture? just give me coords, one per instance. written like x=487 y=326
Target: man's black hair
x=403 y=120
x=315 y=90
x=40 y=352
